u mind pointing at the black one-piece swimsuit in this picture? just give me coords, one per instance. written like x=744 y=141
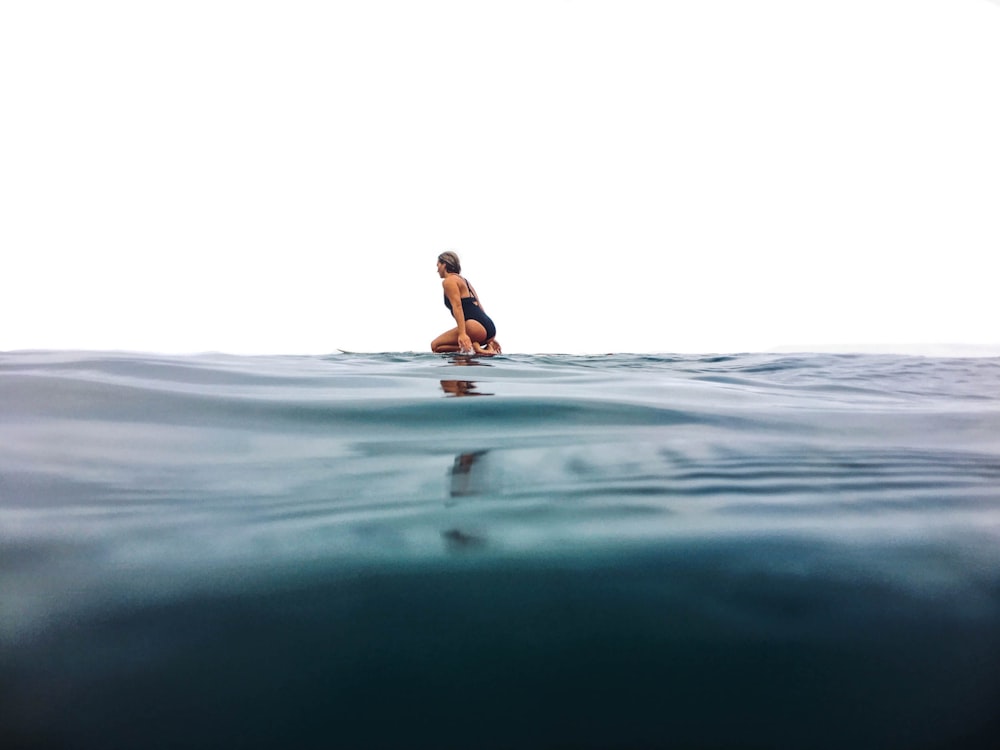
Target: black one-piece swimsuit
x=472 y=311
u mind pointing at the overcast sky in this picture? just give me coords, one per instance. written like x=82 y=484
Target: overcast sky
x=664 y=176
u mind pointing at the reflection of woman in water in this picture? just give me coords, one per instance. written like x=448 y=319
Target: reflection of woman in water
x=461 y=388
x=475 y=331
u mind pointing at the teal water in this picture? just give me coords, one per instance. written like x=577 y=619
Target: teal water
x=409 y=550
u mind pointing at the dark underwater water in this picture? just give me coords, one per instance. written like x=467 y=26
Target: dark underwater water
x=408 y=550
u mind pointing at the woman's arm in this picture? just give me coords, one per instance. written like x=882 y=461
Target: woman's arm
x=454 y=294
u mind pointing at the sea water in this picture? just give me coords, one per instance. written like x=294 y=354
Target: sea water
x=414 y=550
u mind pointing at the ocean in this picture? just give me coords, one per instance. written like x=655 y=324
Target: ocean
x=530 y=551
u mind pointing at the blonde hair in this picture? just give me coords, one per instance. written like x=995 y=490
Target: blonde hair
x=451 y=261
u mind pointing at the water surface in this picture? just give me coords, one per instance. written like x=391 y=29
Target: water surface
x=409 y=550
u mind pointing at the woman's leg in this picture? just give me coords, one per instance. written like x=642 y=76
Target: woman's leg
x=448 y=341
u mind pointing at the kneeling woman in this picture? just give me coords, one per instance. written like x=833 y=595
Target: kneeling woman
x=475 y=331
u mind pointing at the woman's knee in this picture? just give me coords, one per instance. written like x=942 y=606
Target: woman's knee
x=441 y=343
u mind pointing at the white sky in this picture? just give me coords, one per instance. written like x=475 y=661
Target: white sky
x=663 y=176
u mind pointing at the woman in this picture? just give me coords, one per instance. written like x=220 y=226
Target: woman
x=475 y=331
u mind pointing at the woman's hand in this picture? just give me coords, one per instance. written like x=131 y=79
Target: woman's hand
x=465 y=344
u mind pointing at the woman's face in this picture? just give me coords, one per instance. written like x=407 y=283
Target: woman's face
x=442 y=270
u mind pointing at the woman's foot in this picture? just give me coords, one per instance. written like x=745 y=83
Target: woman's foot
x=487 y=351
